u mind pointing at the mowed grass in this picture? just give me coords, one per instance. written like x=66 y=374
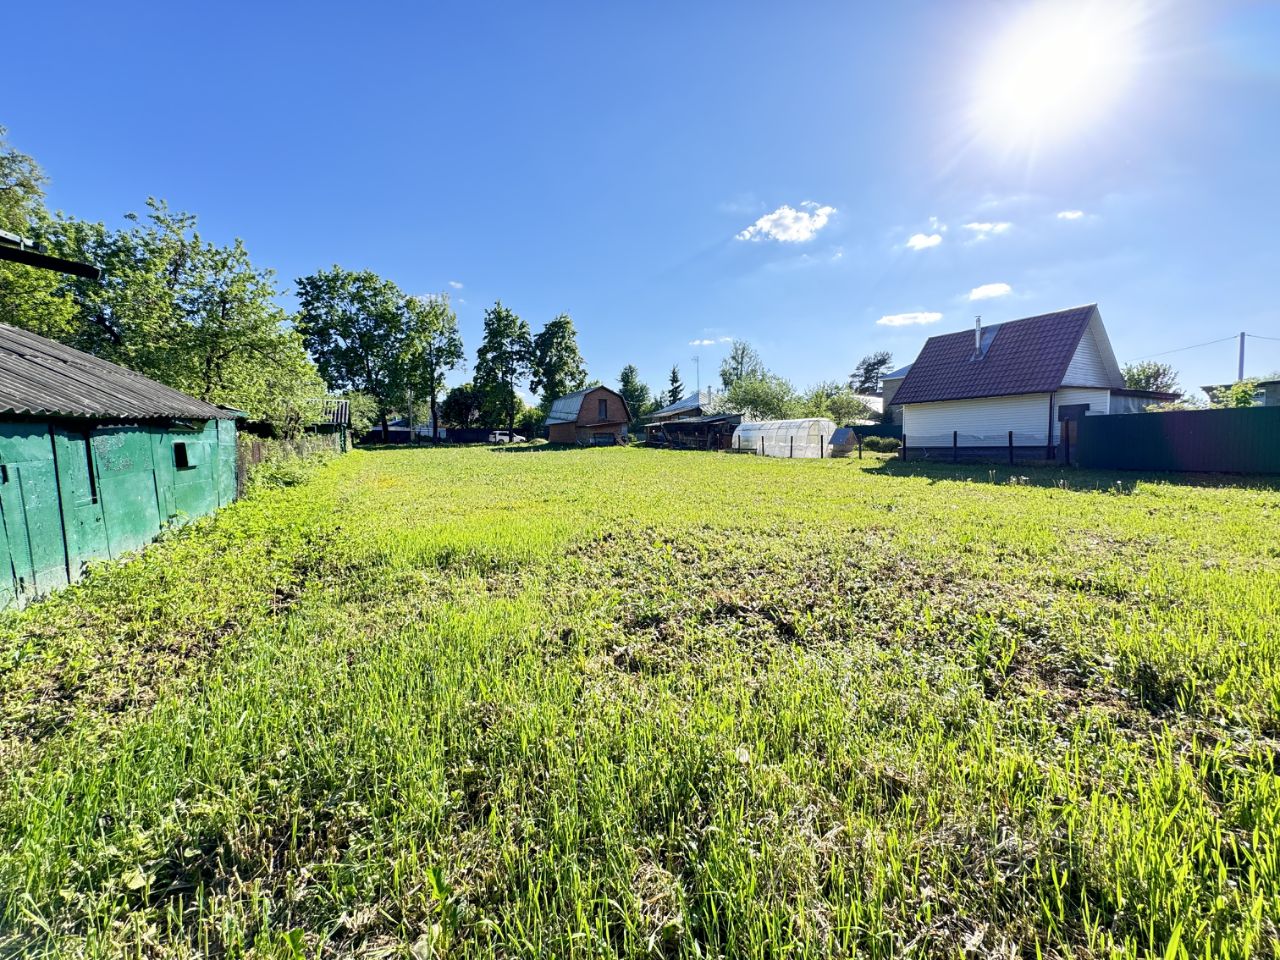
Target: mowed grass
x=627 y=702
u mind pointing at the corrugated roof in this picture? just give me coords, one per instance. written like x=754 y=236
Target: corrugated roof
x=897 y=374
x=565 y=409
x=694 y=401
x=1030 y=355
x=41 y=377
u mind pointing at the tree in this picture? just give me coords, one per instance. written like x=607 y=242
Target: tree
x=503 y=360
x=742 y=361
x=361 y=410
x=866 y=375
x=763 y=397
x=676 y=390
x=461 y=407
x=835 y=401
x=432 y=347
x=353 y=325
x=634 y=392
x=556 y=363
x=1242 y=393
x=1151 y=375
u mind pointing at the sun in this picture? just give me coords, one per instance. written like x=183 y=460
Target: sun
x=1056 y=68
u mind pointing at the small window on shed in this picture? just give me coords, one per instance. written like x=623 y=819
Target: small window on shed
x=602 y=409
x=182 y=456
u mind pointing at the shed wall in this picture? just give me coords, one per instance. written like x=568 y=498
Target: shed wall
x=73 y=492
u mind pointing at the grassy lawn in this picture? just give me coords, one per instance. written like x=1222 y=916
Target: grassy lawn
x=641 y=703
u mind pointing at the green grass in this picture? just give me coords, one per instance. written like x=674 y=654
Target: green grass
x=640 y=703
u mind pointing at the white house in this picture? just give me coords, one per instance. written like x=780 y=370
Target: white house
x=1023 y=377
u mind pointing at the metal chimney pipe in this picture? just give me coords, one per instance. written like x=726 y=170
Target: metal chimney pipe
x=977 y=335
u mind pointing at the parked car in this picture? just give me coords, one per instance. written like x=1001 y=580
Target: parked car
x=505 y=436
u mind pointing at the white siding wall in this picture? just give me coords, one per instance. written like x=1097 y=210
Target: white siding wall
x=984 y=422
x=1099 y=401
x=1086 y=368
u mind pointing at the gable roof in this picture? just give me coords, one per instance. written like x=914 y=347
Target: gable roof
x=566 y=409
x=897 y=374
x=40 y=377
x=1030 y=355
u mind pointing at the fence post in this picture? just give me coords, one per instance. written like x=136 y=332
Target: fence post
x=1010 y=448
x=1066 y=441
x=904 y=446
x=822 y=446
x=791 y=446
x=859 y=436
x=762 y=445
x=955 y=446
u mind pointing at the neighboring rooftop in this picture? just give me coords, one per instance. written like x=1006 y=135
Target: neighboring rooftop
x=1030 y=355
x=695 y=401
x=897 y=374
x=565 y=409
x=40 y=377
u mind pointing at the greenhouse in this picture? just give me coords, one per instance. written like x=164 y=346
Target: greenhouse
x=785 y=438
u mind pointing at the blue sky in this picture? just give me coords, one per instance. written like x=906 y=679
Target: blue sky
x=669 y=173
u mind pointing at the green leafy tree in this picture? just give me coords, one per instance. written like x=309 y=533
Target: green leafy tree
x=742 y=361
x=432 y=347
x=870 y=369
x=635 y=392
x=1242 y=393
x=675 y=390
x=556 y=364
x=1151 y=375
x=353 y=324
x=362 y=410
x=502 y=363
x=835 y=401
x=461 y=407
x=763 y=397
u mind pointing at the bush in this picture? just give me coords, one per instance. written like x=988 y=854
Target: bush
x=882 y=444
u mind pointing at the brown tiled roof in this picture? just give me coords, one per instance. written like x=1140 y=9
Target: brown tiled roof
x=1022 y=356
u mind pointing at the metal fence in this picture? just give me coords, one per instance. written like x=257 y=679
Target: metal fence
x=1245 y=440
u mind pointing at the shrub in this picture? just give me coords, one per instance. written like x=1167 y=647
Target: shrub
x=881 y=444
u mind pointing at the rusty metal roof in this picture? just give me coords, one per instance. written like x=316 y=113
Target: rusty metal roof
x=40 y=377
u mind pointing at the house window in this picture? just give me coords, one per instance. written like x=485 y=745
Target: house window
x=602 y=409
x=180 y=458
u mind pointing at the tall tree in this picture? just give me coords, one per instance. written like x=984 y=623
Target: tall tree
x=866 y=375
x=676 y=390
x=633 y=390
x=502 y=362
x=432 y=347
x=836 y=401
x=1151 y=375
x=461 y=407
x=742 y=361
x=353 y=325
x=556 y=363
x=763 y=397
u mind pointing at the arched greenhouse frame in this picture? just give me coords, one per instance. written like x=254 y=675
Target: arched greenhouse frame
x=809 y=438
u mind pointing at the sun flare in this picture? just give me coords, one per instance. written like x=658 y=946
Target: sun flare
x=1056 y=68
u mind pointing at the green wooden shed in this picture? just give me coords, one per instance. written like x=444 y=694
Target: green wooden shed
x=96 y=460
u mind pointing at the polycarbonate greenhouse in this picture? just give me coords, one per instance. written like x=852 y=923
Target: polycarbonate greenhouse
x=785 y=438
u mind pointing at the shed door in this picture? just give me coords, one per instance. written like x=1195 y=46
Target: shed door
x=81 y=506
x=33 y=527
x=127 y=487
x=226 y=465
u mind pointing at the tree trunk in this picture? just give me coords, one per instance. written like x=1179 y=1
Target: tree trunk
x=386 y=430
x=435 y=420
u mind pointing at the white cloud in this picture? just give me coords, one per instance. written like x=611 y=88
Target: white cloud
x=938 y=225
x=987 y=229
x=789 y=225
x=989 y=291
x=701 y=343
x=1070 y=214
x=724 y=340
x=922 y=241
x=456 y=284
x=908 y=319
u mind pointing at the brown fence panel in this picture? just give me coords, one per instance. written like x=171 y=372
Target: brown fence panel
x=1244 y=440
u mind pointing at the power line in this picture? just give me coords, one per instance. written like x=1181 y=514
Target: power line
x=1194 y=346
x=1258 y=336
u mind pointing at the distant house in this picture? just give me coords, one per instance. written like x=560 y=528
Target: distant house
x=1021 y=379
x=1266 y=394
x=398 y=432
x=889 y=385
x=698 y=404
x=596 y=415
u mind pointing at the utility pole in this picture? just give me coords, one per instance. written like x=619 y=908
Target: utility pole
x=1240 y=372
x=412 y=438
x=697 y=376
